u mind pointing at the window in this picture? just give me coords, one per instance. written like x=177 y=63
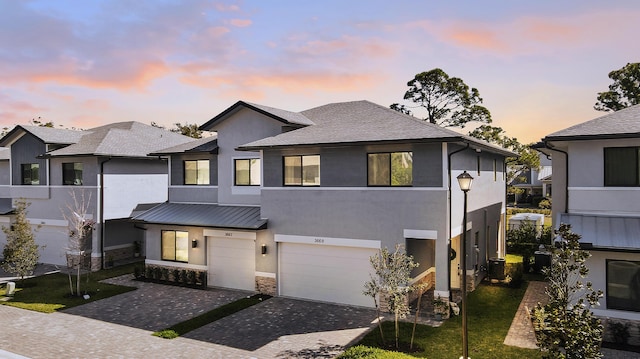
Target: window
x=175 y=246
x=621 y=166
x=196 y=172
x=390 y=169
x=72 y=174
x=30 y=173
x=623 y=285
x=302 y=170
x=247 y=172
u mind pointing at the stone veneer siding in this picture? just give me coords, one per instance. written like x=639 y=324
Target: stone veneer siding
x=266 y=285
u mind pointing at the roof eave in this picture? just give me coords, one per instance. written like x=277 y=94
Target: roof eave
x=233 y=108
x=609 y=136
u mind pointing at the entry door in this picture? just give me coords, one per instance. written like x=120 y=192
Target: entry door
x=455 y=263
x=232 y=263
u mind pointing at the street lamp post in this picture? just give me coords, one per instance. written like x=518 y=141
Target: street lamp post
x=464 y=180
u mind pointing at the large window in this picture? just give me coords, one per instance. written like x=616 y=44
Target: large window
x=621 y=166
x=302 y=170
x=196 y=172
x=175 y=246
x=390 y=169
x=72 y=174
x=623 y=285
x=30 y=173
x=247 y=172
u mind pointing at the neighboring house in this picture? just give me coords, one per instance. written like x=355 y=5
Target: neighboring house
x=534 y=184
x=596 y=173
x=297 y=202
x=109 y=164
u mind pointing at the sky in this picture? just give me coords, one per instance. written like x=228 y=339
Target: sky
x=538 y=65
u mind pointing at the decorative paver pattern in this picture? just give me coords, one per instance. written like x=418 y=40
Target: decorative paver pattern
x=521 y=333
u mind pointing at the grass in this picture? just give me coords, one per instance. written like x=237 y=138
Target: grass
x=50 y=293
x=210 y=316
x=491 y=309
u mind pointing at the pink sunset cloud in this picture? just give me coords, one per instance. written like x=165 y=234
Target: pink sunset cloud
x=240 y=22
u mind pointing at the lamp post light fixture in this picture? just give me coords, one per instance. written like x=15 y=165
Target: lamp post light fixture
x=464 y=181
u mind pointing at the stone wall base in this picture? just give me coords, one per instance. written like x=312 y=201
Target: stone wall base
x=613 y=325
x=266 y=285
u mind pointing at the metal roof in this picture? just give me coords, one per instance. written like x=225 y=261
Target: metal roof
x=605 y=231
x=204 y=215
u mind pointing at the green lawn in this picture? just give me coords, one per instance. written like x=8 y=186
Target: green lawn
x=491 y=309
x=50 y=293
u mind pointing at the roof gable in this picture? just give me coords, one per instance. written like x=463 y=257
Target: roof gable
x=47 y=135
x=286 y=117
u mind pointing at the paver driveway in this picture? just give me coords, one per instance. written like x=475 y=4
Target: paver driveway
x=120 y=327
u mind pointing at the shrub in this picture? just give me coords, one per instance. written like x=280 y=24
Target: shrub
x=149 y=273
x=619 y=332
x=545 y=203
x=191 y=277
x=166 y=334
x=362 y=352
x=175 y=273
x=138 y=272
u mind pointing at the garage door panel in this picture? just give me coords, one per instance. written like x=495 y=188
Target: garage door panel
x=231 y=263
x=326 y=273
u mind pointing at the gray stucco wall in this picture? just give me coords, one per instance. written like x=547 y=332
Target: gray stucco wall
x=245 y=126
x=347 y=166
x=135 y=166
x=89 y=170
x=5 y=171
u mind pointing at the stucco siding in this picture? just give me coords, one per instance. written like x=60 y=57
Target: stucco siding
x=193 y=194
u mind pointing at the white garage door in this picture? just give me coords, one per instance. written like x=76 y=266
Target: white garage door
x=232 y=263
x=327 y=273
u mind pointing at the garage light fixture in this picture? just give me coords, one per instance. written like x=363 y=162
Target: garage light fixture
x=194 y=243
x=263 y=249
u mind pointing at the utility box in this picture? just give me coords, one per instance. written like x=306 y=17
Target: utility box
x=496 y=268
x=542 y=260
x=11 y=288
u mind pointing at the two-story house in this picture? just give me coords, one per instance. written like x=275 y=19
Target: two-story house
x=305 y=198
x=596 y=174
x=109 y=164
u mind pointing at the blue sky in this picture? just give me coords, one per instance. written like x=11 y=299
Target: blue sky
x=538 y=64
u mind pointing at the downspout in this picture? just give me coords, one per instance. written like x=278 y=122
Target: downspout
x=450 y=214
x=566 y=170
x=102 y=224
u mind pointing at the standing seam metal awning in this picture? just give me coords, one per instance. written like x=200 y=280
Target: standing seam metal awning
x=204 y=215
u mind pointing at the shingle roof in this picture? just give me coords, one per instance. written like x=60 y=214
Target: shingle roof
x=204 y=215
x=362 y=121
x=45 y=134
x=623 y=123
x=122 y=139
x=287 y=117
x=206 y=144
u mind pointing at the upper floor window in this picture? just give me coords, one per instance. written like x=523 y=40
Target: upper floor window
x=196 y=172
x=175 y=246
x=302 y=170
x=390 y=169
x=621 y=166
x=30 y=173
x=247 y=172
x=72 y=174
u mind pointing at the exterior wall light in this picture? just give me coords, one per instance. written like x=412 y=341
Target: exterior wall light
x=194 y=243
x=263 y=249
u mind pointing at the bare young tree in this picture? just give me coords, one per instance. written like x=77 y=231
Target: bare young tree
x=80 y=228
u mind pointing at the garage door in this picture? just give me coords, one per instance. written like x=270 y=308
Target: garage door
x=327 y=273
x=232 y=263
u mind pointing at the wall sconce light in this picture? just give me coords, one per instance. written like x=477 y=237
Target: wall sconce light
x=263 y=249
x=194 y=243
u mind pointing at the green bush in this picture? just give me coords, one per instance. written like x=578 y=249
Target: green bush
x=515 y=271
x=545 y=203
x=512 y=211
x=362 y=352
x=166 y=334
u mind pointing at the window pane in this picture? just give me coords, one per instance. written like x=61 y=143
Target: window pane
x=254 y=172
x=30 y=173
x=402 y=169
x=190 y=172
x=378 y=169
x=311 y=170
x=623 y=287
x=169 y=245
x=293 y=170
x=182 y=246
x=203 y=172
x=72 y=174
x=242 y=172
x=620 y=166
